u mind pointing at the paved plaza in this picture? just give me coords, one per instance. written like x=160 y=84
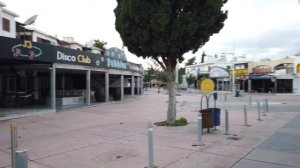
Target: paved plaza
x=114 y=135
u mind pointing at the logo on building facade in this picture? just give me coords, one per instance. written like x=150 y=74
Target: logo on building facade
x=26 y=50
x=113 y=63
x=60 y=56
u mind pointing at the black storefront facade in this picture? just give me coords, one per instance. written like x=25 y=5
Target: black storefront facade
x=42 y=75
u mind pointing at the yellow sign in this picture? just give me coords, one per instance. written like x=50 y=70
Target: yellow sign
x=298 y=68
x=239 y=72
x=207 y=86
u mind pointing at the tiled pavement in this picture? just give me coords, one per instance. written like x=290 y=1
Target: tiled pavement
x=115 y=135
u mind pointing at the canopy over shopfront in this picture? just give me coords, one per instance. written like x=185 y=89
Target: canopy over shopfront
x=49 y=75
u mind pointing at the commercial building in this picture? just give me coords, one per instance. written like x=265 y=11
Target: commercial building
x=35 y=72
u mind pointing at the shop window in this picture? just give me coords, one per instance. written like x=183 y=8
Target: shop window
x=5 y=24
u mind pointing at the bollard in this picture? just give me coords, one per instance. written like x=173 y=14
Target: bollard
x=258 y=111
x=200 y=143
x=250 y=101
x=226 y=123
x=267 y=105
x=22 y=159
x=14 y=144
x=245 y=116
x=225 y=97
x=264 y=108
x=150 y=146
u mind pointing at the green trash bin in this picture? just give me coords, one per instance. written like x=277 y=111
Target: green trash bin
x=237 y=93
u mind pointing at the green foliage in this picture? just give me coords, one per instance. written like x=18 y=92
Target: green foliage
x=157 y=74
x=149 y=74
x=191 y=61
x=191 y=79
x=180 y=122
x=100 y=44
x=202 y=57
x=168 y=28
x=181 y=72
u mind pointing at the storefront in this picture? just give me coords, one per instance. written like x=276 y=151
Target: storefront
x=34 y=75
x=221 y=78
x=261 y=81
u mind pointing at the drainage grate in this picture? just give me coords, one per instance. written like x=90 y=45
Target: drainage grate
x=234 y=137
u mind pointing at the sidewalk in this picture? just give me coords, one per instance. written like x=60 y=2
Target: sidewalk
x=115 y=135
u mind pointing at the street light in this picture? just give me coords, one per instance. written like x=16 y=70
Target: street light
x=233 y=75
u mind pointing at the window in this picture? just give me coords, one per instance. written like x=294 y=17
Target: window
x=41 y=40
x=5 y=24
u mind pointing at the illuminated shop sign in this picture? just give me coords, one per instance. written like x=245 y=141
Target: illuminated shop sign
x=71 y=58
x=26 y=50
x=114 y=63
x=240 y=72
x=15 y=49
x=262 y=69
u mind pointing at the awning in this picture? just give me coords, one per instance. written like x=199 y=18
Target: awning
x=261 y=77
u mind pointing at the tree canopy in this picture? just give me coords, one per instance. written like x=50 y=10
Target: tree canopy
x=191 y=61
x=166 y=29
x=100 y=44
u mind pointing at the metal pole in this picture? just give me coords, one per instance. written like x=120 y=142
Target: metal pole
x=267 y=105
x=22 y=159
x=233 y=79
x=106 y=87
x=200 y=143
x=264 y=108
x=88 y=87
x=226 y=123
x=225 y=97
x=53 y=87
x=14 y=144
x=150 y=146
x=250 y=101
x=258 y=111
x=246 y=116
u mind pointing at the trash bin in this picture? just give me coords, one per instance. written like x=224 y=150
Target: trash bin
x=215 y=96
x=217 y=117
x=207 y=118
x=237 y=93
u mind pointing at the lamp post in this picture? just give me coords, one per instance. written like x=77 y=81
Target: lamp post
x=233 y=75
x=233 y=79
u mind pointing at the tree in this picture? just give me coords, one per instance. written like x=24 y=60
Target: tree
x=100 y=44
x=191 y=61
x=202 y=57
x=166 y=29
x=190 y=79
x=181 y=72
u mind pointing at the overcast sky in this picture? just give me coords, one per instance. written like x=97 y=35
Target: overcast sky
x=256 y=28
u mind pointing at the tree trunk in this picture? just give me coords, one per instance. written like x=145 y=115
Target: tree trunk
x=171 y=115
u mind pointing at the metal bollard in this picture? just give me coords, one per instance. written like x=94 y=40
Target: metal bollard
x=200 y=143
x=264 y=108
x=246 y=116
x=14 y=144
x=250 y=101
x=226 y=123
x=258 y=111
x=22 y=159
x=267 y=105
x=150 y=146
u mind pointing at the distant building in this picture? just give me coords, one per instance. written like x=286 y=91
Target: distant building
x=69 y=42
x=32 y=34
x=7 y=22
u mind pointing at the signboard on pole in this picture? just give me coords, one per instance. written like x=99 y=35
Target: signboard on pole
x=207 y=86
